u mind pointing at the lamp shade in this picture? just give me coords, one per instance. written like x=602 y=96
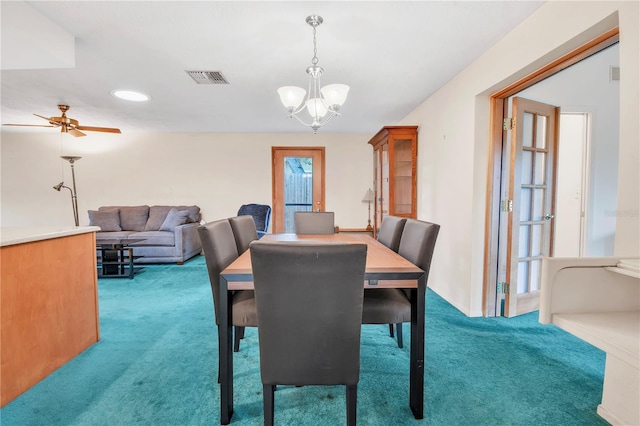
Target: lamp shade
x=291 y=96
x=368 y=196
x=316 y=107
x=335 y=94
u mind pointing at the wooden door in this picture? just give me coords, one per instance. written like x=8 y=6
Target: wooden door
x=298 y=184
x=530 y=204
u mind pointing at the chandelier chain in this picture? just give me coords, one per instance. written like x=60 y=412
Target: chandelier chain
x=314 y=60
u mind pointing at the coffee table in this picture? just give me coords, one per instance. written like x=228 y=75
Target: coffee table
x=116 y=258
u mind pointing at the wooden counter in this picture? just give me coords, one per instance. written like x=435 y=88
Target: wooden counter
x=49 y=302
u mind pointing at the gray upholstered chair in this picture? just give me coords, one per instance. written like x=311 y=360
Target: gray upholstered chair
x=314 y=223
x=391 y=305
x=390 y=231
x=389 y=234
x=244 y=231
x=220 y=250
x=261 y=214
x=309 y=304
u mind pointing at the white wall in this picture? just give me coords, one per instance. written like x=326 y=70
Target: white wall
x=454 y=137
x=218 y=172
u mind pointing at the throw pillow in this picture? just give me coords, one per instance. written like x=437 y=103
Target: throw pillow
x=157 y=215
x=133 y=218
x=174 y=218
x=107 y=220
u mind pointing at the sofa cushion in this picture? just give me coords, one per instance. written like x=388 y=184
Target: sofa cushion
x=122 y=235
x=154 y=238
x=107 y=220
x=157 y=215
x=174 y=218
x=132 y=218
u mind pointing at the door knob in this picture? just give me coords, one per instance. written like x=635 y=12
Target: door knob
x=548 y=216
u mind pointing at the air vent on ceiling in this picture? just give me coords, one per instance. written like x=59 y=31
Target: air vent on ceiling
x=208 y=77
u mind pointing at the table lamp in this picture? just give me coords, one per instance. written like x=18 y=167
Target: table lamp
x=368 y=198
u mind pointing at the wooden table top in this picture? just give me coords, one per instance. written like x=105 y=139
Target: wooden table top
x=380 y=261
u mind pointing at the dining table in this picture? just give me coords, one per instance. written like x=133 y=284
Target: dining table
x=384 y=269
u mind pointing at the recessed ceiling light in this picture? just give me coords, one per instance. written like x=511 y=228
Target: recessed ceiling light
x=130 y=95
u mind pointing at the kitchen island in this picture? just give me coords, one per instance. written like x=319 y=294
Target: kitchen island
x=49 y=302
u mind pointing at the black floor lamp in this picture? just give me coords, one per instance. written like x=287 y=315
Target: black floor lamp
x=74 y=198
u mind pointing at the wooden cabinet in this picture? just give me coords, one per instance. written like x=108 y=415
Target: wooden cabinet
x=395 y=149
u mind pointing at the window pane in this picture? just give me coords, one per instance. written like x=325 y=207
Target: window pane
x=525 y=204
x=535 y=275
x=536 y=240
x=523 y=241
x=541 y=132
x=298 y=188
x=538 y=204
x=527 y=129
x=523 y=277
x=527 y=167
x=540 y=177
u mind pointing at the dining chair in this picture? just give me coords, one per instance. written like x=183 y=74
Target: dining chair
x=392 y=305
x=261 y=214
x=389 y=234
x=220 y=250
x=244 y=231
x=309 y=304
x=314 y=223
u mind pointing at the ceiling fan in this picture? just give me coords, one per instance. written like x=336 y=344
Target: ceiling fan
x=68 y=125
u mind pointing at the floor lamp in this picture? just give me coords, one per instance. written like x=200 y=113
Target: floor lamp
x=368 y=198
x=74 y=198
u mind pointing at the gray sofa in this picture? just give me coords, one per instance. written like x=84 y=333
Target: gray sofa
x=169 y=232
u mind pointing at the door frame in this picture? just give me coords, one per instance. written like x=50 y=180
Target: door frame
x=318 y=184
x=497 y=113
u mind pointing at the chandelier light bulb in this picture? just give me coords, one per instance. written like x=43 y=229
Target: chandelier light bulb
x=334 y=95
x=291 y=96
x=316 y=108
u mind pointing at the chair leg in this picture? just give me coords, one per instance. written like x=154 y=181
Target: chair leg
x=399 y=333
x=238 y=333
x=391 y=330
x=352 y=404
x=268 y=403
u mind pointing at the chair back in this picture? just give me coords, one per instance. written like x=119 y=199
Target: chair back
x=314 y=223
x=309 y=305
x=418 y=242
x=244 y=231
x=390 y=231
x=220 y=250
x=261 y=214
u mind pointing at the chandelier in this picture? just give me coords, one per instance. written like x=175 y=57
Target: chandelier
x=322 y=103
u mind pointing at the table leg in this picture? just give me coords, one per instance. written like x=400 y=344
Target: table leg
x=416 y=371
x=225 y=354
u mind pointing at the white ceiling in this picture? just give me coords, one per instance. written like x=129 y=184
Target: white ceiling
x=393 y=55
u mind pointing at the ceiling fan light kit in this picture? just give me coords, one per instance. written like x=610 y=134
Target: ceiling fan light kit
x=322 y=103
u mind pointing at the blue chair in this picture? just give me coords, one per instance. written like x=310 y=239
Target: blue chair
x=261 y=214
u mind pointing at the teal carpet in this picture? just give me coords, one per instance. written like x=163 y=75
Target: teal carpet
x=156 y=364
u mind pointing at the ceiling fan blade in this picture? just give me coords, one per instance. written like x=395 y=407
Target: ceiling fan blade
x=98 y=129
x=42 y=116
x=76 y=133
x=30 y=125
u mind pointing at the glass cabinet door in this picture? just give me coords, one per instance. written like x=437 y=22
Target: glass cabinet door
x=402 y=176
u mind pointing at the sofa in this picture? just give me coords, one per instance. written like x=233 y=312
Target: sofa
x=169 y=233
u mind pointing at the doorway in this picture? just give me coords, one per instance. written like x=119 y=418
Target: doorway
x=497 y=292
x=298 y=184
